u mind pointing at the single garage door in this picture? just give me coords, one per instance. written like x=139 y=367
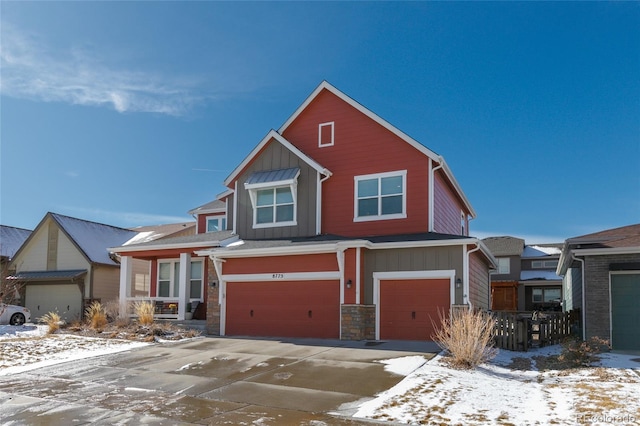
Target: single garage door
x=65 y=299
x=625 y=315
x=410 y=308
x=283 y=309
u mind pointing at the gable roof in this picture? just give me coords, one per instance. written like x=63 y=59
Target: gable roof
x=325 y=85
x=93 y=238
x=156 y=232
x=273 y=135
x=504 y=246
x=625 y=236
x=214 y=206
x=11 y=239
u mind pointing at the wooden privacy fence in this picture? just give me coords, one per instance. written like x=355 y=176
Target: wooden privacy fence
x=519 y=331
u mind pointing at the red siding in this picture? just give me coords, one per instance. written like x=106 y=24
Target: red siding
x=409 y=308
x=479 y=287
x=350 y=274
x=447 y=208
x=326 y=262
x=361 y=147
x=202 y=221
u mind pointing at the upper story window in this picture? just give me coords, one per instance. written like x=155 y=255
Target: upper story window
x=380 y=196
x=273 y=197
x=544 y=264
x=216 y=223
x=325 y=134
x=504 y=266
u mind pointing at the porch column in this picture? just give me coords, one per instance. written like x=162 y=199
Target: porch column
x=126 y=273
x=183 y=284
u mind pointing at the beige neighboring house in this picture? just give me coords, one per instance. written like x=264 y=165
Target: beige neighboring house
x=64 y=265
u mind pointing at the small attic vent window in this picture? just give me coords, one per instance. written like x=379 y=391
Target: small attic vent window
x=325 y=134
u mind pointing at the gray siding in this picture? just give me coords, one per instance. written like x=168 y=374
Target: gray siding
x=478 y=282
x=276 y=156
x=230 y=205
x=597 y=301
x=411 y=259
x=514 y=270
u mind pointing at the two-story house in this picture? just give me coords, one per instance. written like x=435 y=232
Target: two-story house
x=525 y=279
x=338 y=225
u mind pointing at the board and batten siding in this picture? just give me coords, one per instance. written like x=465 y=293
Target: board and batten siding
x=446 y=208
x=478 y=282
x=411 y=259
x=107 y=283
x=274 y=157
x=361 y=147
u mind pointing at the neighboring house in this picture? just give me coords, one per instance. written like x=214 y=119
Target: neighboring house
x=65 y=264
x=11 y=239
x=338 y=225
x=601 y=278
x=525 y=279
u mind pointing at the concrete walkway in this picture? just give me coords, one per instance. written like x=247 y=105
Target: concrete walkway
x=209 y=381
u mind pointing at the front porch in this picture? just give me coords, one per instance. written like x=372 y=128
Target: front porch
x=164 y=307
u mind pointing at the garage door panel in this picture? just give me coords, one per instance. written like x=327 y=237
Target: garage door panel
x=409 y=309
x=625 y=315
x=65 y=299
x=283 y=309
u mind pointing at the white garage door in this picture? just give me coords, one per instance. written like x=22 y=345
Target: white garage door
x=65 y=299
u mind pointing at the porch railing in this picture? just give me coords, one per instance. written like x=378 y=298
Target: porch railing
x=164 y=307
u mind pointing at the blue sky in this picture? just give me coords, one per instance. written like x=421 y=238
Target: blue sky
x=132 y=113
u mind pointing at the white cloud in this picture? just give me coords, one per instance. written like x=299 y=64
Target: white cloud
x=30 y=70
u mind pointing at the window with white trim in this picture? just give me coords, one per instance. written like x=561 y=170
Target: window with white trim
x=544 y=264
x=274 y=197
x=504 y=265
x=216 y=223
x=380 y=196
x=169 y=279
x=325 y=134
x=542 y=295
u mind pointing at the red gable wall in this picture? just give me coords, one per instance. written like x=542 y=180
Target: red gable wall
x=361 y=146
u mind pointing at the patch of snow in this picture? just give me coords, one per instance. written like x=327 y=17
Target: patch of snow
x=539 y=251
x=403 y=366
x=139 y=390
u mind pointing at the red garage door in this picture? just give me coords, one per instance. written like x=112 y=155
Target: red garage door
x=283 y=309
x=407 y=307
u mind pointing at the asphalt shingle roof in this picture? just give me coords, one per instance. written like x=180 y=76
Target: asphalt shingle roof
x=11 y=239
x=504 y=246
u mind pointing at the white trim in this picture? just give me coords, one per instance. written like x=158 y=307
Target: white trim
x=410 y=275
x=320 y=126
x=273 y=135
x=253 y=196
x=235 y=208
x=606 y=251
x=358 y=272
x=283 y=276
x=220 y=218
x=379 y=177
x=318 y=203
x=340 y=259
x=431 y=197
x=194 y=245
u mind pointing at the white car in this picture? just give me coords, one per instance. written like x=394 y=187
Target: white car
x=13 y=314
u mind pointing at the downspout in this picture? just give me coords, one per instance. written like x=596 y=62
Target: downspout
x=431 y=189
x=466 y=277
x=582 y=283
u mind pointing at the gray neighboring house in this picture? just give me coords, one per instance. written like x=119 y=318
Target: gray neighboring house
x=11 y=239
x=525 y=279
x=601 y=278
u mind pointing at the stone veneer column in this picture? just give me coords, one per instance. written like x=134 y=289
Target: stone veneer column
x=358 y=322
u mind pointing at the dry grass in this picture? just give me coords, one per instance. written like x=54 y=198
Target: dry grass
x=96 y=316
x=112 y=309
x=467 y=336
x=52 y=319
x=144 y=312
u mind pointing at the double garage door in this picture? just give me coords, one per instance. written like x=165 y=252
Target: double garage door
x=625 y=314
x=409 y=309
x=65 y=299
x=283 y=309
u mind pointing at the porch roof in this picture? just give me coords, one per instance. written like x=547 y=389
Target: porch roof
x=48 y=275
x=197 y=241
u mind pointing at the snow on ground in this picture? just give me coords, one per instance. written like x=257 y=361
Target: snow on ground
x=498 y=393
x=29 y=347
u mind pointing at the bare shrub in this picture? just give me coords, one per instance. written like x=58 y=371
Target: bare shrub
x=577 y=353
x=52 y=319
x=96 y=316
x=467 y=336
x=144 y=312
x=112 y=309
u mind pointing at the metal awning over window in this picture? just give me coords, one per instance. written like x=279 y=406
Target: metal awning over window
x=272 y=178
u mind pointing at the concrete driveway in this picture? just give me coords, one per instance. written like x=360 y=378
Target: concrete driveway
x=208 y=381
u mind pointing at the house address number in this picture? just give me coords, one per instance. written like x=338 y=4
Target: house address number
x=277 y=276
